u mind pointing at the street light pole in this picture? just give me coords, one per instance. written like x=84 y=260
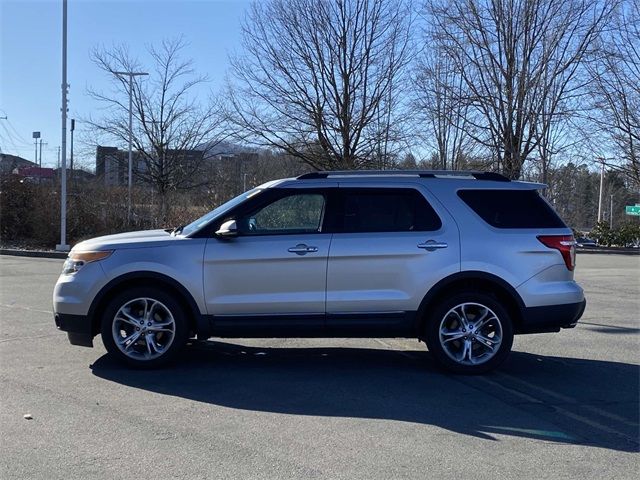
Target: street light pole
x=130 y=181
x=36 y=136
x=62 y=246
x=611 y=213
x=601 y=188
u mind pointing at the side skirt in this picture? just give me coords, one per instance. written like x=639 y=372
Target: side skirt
x=331 y=325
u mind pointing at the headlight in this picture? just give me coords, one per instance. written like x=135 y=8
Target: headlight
x=76 y=260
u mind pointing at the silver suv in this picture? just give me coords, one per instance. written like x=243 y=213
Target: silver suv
x=460 y=260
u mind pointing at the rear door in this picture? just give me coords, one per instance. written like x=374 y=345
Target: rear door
x=391 y=244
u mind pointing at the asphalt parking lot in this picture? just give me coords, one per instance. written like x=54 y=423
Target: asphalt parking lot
x=564 y=405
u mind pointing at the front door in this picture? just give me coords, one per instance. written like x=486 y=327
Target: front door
x=274 y=272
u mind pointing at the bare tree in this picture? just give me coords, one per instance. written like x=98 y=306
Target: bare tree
x=616 y=88
x=172 y=130
x=319 y=79
x=441 y=107
x=520 y=62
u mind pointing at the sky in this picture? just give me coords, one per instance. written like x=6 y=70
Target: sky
x=31 y=56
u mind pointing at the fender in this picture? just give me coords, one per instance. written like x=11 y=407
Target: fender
x=462 y=278
x=199 y=322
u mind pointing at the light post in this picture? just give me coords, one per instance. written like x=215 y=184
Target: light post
x=611 y=213
x=130 y=182
x=601 y=191
x=62 y=246
x=36 y=136
x=73 y=127
x=601 y=207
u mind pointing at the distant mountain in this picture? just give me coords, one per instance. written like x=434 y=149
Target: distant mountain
x=226 y=148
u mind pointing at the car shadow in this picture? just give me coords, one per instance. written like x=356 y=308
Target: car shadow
x=603 y=328
x=574 y=401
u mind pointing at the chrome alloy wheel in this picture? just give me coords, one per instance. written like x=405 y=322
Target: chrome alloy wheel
x=143 y=328
x=470 y=334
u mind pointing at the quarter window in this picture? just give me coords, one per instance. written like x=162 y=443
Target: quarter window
x=512 y=208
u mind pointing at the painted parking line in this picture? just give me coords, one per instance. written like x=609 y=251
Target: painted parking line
x=475 y=382
x=567 y=399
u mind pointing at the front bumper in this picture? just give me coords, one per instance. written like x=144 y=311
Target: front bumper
x=78 y=328
x=551 y=318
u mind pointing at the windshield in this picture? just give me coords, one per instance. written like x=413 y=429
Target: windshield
x=216 y=212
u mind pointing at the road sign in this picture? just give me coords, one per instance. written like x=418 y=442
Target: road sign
x=632 y=210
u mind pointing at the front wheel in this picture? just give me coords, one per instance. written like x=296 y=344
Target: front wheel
x=469 y=333
x=144 y=327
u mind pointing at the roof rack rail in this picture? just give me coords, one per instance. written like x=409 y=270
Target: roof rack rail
x=409 y=173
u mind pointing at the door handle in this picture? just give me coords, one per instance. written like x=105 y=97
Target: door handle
x=302 y=249
x=431 y=245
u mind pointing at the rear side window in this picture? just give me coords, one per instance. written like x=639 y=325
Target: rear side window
x=512 y=208
x=385 y=210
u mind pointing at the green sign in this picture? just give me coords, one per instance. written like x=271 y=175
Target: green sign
x=632 y=210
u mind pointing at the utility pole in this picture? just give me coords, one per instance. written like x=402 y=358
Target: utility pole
x=130 y=182
x=601 y=189
x=73 y=127
x=58 y=162
x=40 y=159
x=3 y=118
x=62 y=246
x=611 y=213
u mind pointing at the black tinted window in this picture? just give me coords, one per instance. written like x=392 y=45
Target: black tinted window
x=385 y=210
x=512 y=208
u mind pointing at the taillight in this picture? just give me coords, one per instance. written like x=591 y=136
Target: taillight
x=566 y=244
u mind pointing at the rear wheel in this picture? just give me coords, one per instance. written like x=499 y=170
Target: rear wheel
x=144 y=327
x=469 y=333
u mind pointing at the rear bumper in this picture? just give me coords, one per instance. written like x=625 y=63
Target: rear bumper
x=78 y=328
x=551 y=318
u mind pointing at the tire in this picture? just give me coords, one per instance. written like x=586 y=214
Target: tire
x=144 y=327
x=469 y=349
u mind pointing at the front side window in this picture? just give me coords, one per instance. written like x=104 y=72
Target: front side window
x=298 y=213
x=386 y=210
x=218 y=211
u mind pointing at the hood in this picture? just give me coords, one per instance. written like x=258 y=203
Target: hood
x=141 y=239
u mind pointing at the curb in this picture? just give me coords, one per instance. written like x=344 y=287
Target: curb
x=33 y=253
x=609 y=251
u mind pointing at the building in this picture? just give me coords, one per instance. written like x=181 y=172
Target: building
x=36 y=174
x=11 y=163
x=112 y=165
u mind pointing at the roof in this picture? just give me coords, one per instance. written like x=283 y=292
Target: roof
x=36 y=172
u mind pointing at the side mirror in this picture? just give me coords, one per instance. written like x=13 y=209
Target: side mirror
x=228 y=229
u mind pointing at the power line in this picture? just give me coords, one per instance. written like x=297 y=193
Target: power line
x=9 y=139
x=14 y=133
